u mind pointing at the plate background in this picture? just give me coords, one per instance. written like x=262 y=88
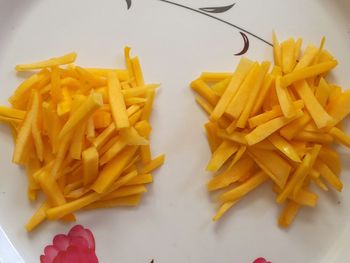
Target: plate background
x=173 y=224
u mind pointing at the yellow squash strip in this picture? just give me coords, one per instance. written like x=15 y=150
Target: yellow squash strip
x=285 y=99
x=285 y=147
x=92 y=103
x=242 y=70
x=317 y=112
x=117 y=102
x=215 y=76
x=288 y=55
x=288 y=214
x=221 y=155
x=241 y=190
x=66 y=59
x=308 y=72
x=90 y=165
x=265 y=130
x=340 y=136
x=82 y=135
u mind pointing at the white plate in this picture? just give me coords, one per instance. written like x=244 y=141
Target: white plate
x=175 y=44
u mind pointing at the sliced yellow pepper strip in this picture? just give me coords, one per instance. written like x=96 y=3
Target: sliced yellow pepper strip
x=243 y=118
x=65 y=59
x=290 y=130
x=90 y=159
x=236 y=105
x=223 y=209
x=317 y=112
x=331 y=158
x=284 y=146
x=265 y=130
x=267 y=85
x=241 y=72
x=241 y=190
x=137 y=71
x=285 y=99
x=93 y=102
x=338 y=107
x=272 y=164
x=232 y=174
x=214 y=141
x=104 y=136
x=288 y=55
x=307 y=58
x=221 y=155
x=113 y=169
x=36 y=133
x=12 y=113
x=300 y=173
x=38 y=217
x=288 y=214
x=152 y=165
x=308 y=72
x=132 y=200
x=215 y=76
x=141 y=179
x=329 y=176
x=277 y=52
x=340 y=136
x=125 y=191
x=116 y=100
x=115 y=149
x=204 y=91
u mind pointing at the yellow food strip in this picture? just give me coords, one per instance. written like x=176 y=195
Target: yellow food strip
x=223 y=209
x=232 y=174
x=38 y=217
x=36 y=133
x=131 y=137
x=66 y=59
x=132 y=200
x=308 y=72
x=204 y=90
x=340 y=136
x=122 y=74
x=290 y=130
x=322 y=92
x=116 y=148
x=267 y=85
x=90 y=160
x=272 y=164
x=139 y=91
x=221 y=155
x=243 y=118
x=125 y=191
x=238 y=137
x=92 y=103
x=338 y=107
x=236 y=106
x=12 y=113
x=113 y=170
x=220 y=87
x=285 y=147
x=23 y=136
x=241 y=190
x=314 y=137
x=104 y=136
x=137 y=71
x=288 y=214
x=288 y=55
x=317 y=112
x=307 y=58
x=78 y=142
x=329 y=176
x=265 y=130
x=215 y=76
x=299 y=174
x=148 y=105
x=153 y=164
x=242 y=70
x=306 y=198
x=213 y=140
x=117 y=102
x=285 y=99
x=277 y=51
x=331 y=158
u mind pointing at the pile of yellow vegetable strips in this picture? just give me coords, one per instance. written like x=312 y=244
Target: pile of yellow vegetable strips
x=82 y=135
x=275 y=125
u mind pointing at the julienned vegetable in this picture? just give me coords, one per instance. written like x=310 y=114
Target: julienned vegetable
x=82 y=135
x=276 y=125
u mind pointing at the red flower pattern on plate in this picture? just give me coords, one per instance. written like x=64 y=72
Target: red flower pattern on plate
x=77 y=246
x=261 y=260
